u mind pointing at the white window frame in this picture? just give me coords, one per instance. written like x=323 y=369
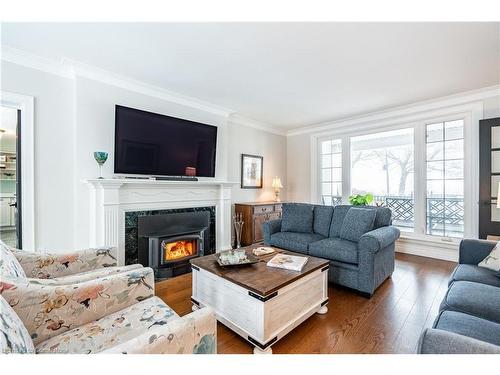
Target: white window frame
x=423 y=225
x=470 y=113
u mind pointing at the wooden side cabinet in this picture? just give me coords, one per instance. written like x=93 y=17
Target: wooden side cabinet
x=254 y=215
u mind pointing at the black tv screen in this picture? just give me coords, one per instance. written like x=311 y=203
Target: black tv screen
x=153 y=144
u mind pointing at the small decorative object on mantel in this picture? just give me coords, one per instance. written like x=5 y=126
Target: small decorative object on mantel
x=238 y=227
x=190 y=171
x=100 y=157
x=251 y=171
x=277 y=186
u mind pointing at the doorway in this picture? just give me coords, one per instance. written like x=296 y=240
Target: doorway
x=10 y=176
x=489 y=177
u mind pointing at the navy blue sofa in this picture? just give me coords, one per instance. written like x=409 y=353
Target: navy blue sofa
x=359 y=242
x=469 y=317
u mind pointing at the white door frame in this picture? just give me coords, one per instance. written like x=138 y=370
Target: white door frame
x=27 y=106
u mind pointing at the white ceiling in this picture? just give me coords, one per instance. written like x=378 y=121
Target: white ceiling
x=284 y=74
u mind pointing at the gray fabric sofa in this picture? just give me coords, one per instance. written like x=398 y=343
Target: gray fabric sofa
x=469 y=317
x=359 y=242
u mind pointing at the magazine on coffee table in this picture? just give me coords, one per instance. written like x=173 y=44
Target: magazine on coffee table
x=288 y=262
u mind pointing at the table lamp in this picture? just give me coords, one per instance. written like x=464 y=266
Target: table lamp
x=277 y=186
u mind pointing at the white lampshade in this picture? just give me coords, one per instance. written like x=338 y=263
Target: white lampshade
x=277 y=183
x=498 y=196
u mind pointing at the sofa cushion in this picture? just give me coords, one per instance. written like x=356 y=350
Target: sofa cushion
x=471 y=298
x=470 y=272
x=111 y=330
x=357 y=222
x=338 y=216
x=383 y=216
x=297 y=217
x=9 y=265
x=322 y=219
x=298 y=242
x=335 y=249
x=469 y=325
x=14 y=337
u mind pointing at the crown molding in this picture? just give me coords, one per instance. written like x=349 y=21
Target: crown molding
x=29 y=60
x=72 y=69
x=104 y=76
x=244 y=121
x=400 y=111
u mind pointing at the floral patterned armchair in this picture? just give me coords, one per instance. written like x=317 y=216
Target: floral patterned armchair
x=65 y=268
x=112 y=315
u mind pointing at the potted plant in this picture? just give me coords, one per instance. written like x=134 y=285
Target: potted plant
x=361 y=200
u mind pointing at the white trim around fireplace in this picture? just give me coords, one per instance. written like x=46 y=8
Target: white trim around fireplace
x=111 y=198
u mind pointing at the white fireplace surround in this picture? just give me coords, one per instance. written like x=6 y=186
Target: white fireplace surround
x=111 y=198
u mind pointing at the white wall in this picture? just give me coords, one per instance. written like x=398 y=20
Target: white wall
x=247 y=140
x=95 y=113
x=298 y=150
x=491 y=107
x=75 y=116
x=53 y=151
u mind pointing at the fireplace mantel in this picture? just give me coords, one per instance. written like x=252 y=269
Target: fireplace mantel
x=111 y=198
x=150 y=182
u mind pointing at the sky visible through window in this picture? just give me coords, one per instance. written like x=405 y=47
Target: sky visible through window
x=382 y=163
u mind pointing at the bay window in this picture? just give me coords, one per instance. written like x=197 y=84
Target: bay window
x=417 y=169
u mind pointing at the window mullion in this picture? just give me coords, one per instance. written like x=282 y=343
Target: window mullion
x=420 y=185
x=346 y=169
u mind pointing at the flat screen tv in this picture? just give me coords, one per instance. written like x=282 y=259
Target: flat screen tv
x=152 y=144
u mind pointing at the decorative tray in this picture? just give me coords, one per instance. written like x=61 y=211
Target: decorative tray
x=235 y=258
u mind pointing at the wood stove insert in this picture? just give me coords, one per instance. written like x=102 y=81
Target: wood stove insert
x=167 y=242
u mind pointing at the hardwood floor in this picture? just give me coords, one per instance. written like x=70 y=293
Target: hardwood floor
x=390 y=322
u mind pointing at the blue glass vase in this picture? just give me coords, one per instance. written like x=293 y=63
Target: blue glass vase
x=100 y=157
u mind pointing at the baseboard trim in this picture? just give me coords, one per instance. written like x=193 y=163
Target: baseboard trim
x=428 y=249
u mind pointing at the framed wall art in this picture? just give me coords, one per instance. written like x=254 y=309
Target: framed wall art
x=251 y=171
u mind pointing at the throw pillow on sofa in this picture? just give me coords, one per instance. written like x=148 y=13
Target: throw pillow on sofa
x=357 y=222
x=492 y=261
x=296 y=217
x=322 y=218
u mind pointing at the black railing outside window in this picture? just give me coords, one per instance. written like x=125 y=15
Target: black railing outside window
x=445 y=216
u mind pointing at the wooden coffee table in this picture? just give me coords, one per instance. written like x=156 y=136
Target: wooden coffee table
x=260 y=303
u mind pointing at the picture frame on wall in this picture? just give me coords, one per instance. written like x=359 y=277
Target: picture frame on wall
x=251 y=171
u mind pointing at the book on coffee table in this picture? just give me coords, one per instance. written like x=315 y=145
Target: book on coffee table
x=288 y=262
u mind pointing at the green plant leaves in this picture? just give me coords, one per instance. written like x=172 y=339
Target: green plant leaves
x=361 y=200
